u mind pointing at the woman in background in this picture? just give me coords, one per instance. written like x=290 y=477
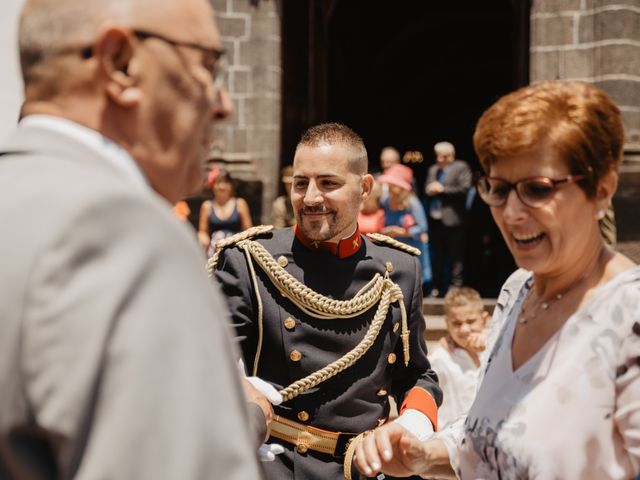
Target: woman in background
x=404 y=216
x=225 y=214
x=371 y=216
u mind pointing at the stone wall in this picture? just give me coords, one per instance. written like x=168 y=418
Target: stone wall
x=250 y=140
x=597 y=41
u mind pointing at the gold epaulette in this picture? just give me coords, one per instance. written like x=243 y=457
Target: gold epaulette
x=247 y=234
x=392 y=242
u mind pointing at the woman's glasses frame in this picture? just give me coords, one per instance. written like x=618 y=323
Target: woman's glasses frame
x=534 y=192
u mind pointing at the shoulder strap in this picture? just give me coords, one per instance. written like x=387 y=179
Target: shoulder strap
x=379 y=238
x=234 y=239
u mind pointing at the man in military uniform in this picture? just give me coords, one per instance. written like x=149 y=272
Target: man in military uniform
x=331 y=318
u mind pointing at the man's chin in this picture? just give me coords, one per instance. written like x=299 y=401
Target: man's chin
x=316 y=231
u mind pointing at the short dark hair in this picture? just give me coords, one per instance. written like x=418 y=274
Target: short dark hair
x=578 y=119
x=336 y=133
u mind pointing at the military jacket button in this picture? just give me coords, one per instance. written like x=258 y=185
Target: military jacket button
x=392 y=358
x=382 y=392
x=303 y=416
x=302 y=448
x=282 y=261
x=289 y=323
x=389 y=267
x=295 y=356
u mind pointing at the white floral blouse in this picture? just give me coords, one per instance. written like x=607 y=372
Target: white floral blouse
x=572 y=411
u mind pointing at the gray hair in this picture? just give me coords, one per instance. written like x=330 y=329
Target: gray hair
x=48 y=27
x=444 y=147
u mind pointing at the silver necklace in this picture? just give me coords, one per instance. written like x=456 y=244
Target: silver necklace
x=544 y=306
x=524 y=318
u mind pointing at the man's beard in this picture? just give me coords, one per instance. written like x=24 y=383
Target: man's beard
x=316 y=234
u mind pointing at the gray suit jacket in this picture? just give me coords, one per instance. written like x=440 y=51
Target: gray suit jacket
x=115 y=359
x=457 y=182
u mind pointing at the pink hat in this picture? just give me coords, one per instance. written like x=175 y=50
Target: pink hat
x=399 y=175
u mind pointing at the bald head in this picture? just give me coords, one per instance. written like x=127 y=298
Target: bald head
x=140 y=72
x=338 y=134
x=388 y=157
x=50 y=27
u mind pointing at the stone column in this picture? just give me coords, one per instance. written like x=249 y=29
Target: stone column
x=598 y=41
x=250 y=140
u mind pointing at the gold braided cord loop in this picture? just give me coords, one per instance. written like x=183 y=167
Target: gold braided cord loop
x=233 y=239
x=380 y=290
x=350 y=453
x=390 y=294
x=254 y=280
x=308 y=300
x=380 y=238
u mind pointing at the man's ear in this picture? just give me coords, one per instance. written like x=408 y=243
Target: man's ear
x=367 y=186
x=115 y=54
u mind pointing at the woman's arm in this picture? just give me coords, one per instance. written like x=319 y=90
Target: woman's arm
x=245 y=215
x=204 y=235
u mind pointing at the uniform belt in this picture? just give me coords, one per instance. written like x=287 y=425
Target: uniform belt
x=306 y=437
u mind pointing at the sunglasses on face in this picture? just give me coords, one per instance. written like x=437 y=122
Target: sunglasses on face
x=533 y=191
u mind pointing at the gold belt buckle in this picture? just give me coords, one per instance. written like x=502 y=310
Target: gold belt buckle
x=304 y=441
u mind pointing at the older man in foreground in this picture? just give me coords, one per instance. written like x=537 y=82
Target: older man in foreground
x=115 y=361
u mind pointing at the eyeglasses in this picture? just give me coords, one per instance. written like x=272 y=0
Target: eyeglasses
x=533 y=191
x=213 y=59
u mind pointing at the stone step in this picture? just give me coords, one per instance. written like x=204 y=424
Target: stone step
x=436 y=329
x=435 y=306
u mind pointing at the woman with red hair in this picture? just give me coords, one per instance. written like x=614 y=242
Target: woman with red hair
x=560 y=389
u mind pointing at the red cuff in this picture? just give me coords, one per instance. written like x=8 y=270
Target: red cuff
x=419 y=399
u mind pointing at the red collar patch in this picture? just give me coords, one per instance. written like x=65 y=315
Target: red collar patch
x=343 y=249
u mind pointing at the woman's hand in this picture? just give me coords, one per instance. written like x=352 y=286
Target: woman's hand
x=393 y=450
x=204 y=240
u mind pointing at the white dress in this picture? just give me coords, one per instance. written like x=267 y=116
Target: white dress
x=572 y=411
x=458 y=379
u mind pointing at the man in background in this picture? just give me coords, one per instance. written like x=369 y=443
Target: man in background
x=448 y=182
x=388 y=157
x=115 y=361
x=281 y=210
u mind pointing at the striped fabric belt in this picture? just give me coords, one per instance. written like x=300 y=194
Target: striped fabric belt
x=305 y=437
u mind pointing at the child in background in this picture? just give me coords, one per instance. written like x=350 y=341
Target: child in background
x=457 y=361
x=371 y=216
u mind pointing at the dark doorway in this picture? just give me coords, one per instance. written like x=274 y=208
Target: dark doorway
x=407 y=74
